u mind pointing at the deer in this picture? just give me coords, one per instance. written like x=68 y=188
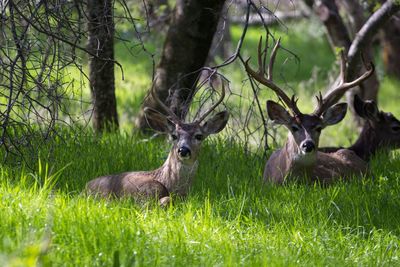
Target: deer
x=380 y=131
x=299 y=157
x=176 y=175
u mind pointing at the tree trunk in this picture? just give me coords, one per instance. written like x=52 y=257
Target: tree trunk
x=101 y=66
x=339 y=36
x=337 y=32
x=369 y=88
x=185 y=51
x=391 y=47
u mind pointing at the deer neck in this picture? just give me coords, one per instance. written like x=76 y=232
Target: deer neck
x=295 y=161
x=367 y=143
x=176 y=175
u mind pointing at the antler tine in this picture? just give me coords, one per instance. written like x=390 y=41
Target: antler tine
x=272 y=59
x=334 y=95
x=267 y=81
x=161 y=104
x=259 y=56
x=262 y=54
x=222 y=96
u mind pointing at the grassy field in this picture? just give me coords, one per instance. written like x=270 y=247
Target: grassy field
x=228 y=218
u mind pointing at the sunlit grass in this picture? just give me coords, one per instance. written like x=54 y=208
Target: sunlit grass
x=228 y=218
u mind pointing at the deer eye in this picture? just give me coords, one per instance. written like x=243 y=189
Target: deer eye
x=174 y=136
x=396 y=128
x=198 y=137
x=295 y=128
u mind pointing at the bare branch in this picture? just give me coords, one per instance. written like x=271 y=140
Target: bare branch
x=370 y=28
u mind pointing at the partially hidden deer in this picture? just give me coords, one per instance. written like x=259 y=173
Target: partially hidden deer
x=177 y=173
x=299 y=157
x=381 y=130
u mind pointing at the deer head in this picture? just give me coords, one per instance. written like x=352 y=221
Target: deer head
x=186 y=136
x=304 y=129
x=381 y=128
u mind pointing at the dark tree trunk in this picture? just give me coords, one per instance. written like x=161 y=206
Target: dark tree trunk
x=328 y=13
x=185 y=51
x=391 y=47
x=101 y=66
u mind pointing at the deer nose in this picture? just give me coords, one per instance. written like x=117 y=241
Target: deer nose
x=308 y=146
x=184 y=152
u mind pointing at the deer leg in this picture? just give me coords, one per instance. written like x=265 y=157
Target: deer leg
x=154 y=189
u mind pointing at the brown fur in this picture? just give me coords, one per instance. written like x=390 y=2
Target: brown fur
x=322 y=167
x=381 y=130
x=175 y=176
x=172 y=177
x=294 y=161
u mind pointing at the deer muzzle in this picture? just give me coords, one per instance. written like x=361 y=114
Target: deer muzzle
x=307 y=146
x=184 y=152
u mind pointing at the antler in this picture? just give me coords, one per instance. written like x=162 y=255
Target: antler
x=334 y=95
x=173 y=116
x=205 y=114
x=169 y=112
x=259 y=75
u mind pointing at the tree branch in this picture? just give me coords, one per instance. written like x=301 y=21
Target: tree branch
x=371 y=26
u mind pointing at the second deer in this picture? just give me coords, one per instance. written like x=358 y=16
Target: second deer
x=381 y=130
x=177 y=173
x=300 y=157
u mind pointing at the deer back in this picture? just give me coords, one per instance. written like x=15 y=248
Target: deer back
x=328 y=167
x=136 y=184
x=342 y=164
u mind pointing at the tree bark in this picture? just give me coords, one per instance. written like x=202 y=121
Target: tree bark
x=339 y=37
x=391 y=47
x=101 y=66
x=185 y=51
x=365 y=34
x=328 y=13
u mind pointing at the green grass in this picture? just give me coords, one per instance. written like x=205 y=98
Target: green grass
x=229 y=218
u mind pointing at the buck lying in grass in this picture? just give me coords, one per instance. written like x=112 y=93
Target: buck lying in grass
x=381 y=130
x=300 y=157
x=177 y=172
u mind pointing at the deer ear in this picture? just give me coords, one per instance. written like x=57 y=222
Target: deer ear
x=334 y=114
x=366 y=109
x=277 y=113
x=158 y=121
x=216 y=123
